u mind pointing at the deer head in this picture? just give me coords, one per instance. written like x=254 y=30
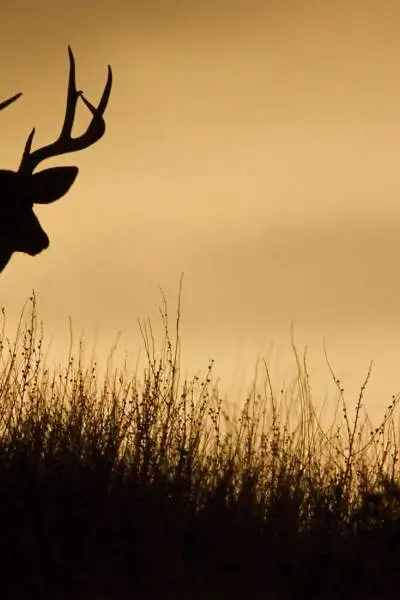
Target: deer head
x=20 y=230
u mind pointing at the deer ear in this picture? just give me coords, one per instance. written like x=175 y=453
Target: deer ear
x=51 y=184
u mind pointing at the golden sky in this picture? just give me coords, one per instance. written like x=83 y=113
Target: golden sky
x=252 y=145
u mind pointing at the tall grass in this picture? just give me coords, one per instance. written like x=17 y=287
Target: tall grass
x=120 y=486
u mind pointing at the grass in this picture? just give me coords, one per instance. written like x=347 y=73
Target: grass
x=151 y=487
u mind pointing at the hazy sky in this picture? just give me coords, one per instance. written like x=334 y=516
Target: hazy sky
x=252 y=145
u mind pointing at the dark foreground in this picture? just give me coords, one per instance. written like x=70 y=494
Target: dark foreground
x=153 y=490
x=71 y=531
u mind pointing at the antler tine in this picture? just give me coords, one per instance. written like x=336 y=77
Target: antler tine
x=72 y=99
x=97 y=125
x=30 y=160
x=6 y=103
x=65 y=143
x=104 y=98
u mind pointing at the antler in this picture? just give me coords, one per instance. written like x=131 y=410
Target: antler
x=65 y=143
x=5 y=103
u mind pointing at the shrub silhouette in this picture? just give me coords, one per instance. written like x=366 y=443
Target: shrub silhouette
x=118 y=487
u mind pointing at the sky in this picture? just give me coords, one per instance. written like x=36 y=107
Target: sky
x=253 y=146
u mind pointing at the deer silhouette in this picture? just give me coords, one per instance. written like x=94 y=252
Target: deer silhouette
x=20 y=230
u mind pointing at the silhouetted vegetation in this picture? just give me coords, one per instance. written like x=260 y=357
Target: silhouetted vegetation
x=151 y=487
